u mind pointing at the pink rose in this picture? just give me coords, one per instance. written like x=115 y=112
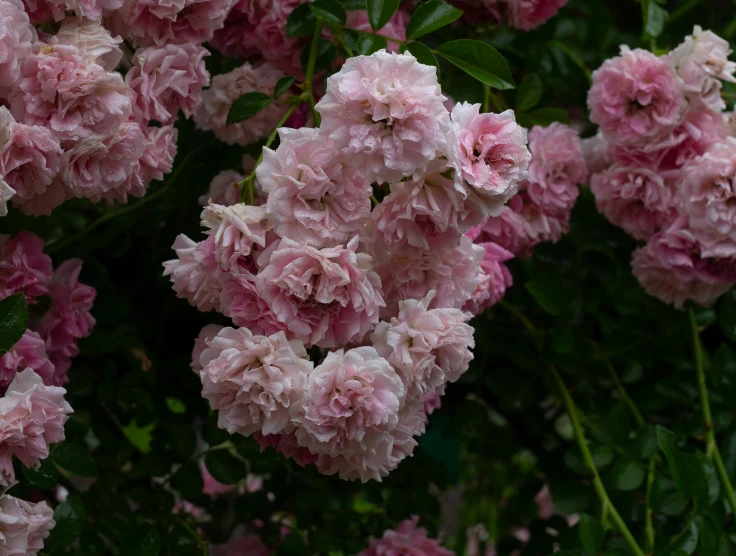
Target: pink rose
x=224 y=189
x=237 y=231
x=200 y=344
x=192 y=273
x=494 y=279
x=6 y=193
x=17 y=36
x=636 y=98
x=24 y=526
x=23 y=266
x=96 y=42
x=28 y=352
x=408 y=539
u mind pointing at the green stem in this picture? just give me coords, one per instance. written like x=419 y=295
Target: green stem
x=486 y=98
x=519 y=315
x=588 y=459
x=648 y=512
x=711 y=447
x=625 y=396
x=124 y=209
x=309 y=76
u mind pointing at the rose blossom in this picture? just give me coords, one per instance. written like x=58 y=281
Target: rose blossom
x=23 y=266
x=164 y=79
x=325 y=297
x=6 y=193
x=636 y=97
x=407 y=539
x=215 y=103
x=224 y=189
x=528 y=14
x=200 y=344
x=495 y=278
x=96 y=42
x=635 y=199
x=23 y=526
x=56 y=9
x=350 y=406
x=312 y=194
x=385 y=114
x=28 y=352
x=29 y=156
x=17 y=36
x=193 y=273
x=395 y=27
x=596 y=152
x=237 y=230
x=32 y=417
x=672 y=268
x=557 y=166
x=253 y=380
x=60 y=89
x=492 y=152
x=158 y=156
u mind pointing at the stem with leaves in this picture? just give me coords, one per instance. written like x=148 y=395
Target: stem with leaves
x=309 y=76
x=711 y=447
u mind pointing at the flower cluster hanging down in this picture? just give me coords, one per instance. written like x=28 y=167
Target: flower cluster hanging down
x=665 y=163
x=383 y=290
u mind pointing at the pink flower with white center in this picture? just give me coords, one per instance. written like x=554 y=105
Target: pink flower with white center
x=28 y=352
x=200 y=344
x=492 y=152
x=427 y=347
x=237 y=230
x=701 y=61
x=60 y=89
x=428 y=213
x=556 y=168
x=6 y=193
x=494 y=279
x=325 y=297
x=312 y=194
x=29 y=157
x=253 y=380
x=671 y=268
x=24 y=526
x=194 y=273
x=165 y=79
x=708 y=195
x=395 y=28
x=528 y=14
x=224 y=189
x=636 y=98
x=32 y=417
x=597 y=153
x=23 y=266
x=350 y=406
x=96 y=42
x=159 y=22
x=385 y=114
x=408 y=539
x=17 y=36
x=215 y=103
x=412 y=274
x=635 y=199
x=96 y=167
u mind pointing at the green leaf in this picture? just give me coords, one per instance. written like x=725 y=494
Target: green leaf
x=529 y=93
x=45 y=477
x=70 y=518
x=591 y=534
x=75 y=459
x=684 y=543
x=247 y=106
x=550 y=293
x=627 y=475
x=301 y=22
x=423 y=54
x=665 y=498
x=429 y=17
x=292 y=545
x=654 y=17
x=140 y=437
x=330 y=11
x=543 y=117
x=282 y=86
x=727 y=315
x=188 y=481
x=368 y=44
x=13 y=321
x=326 y=53
x=224 y=467
x=380 y=11
x=562 y=340
x=693 y=475
x=480 y=60
x=353 y=4
x=143 y=540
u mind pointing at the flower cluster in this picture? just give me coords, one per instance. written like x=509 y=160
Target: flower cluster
x=519 y=14
x=49 y=346
x=384 y=287
x=665 y=163
x=72 y=126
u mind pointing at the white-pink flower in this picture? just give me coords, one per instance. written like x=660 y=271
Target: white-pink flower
x=23 y=266
x=17 y=36
x=313 y=195
x=194 y=272
x=326 y=297
x=24 y=526
x=407 y=540
x=215 y=103
x=493 y=281
x=32 y=417
x=6 y=193
x=28 y=352
x=253 y=380
x=200 y=344
x=96 y=42
x=385 y=114
x=237 y=230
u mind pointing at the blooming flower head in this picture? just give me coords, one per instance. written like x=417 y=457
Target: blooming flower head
x=494 y=279
x=325 y=297
x=636 y=97
x=237 y=230
x=24 y=526
x=17 y=36
x=385 y=114
x=32 y=417
x=312 y=194
x=96 y=42
x=28 y=352
x=253 y=380
x=193 y=272
x=407 y=540
x=200 y=344
x=23 y=266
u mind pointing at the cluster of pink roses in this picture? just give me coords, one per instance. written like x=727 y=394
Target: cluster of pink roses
x=72 y=126
x=519 y=14
x=665 y=163
x=388 y=287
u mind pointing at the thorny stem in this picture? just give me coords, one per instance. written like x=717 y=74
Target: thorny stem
x=309 y=76
x=711 y=447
